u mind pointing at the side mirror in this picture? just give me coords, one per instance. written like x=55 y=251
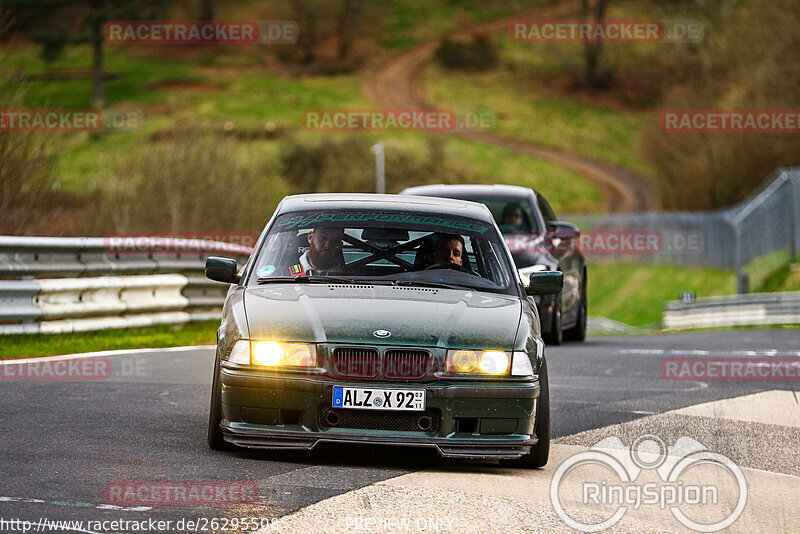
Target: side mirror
x=545 y=283
x=222 y=270
x=564 y=230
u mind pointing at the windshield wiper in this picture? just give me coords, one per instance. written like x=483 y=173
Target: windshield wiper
x=419 y=283
x=305 y=278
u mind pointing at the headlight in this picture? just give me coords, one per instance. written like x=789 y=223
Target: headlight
x=274 y=354
x=489 y=362
x=526 y=272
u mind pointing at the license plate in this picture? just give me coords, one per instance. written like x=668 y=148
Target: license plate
x=379 y=399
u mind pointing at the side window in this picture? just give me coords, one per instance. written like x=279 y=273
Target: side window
x=547 y=211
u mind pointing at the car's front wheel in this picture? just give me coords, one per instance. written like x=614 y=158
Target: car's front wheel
x=578 y=332
x=540 y=452
x=215 y=439
x=555 y=336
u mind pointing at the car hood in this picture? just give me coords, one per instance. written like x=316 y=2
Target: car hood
x=346 y=313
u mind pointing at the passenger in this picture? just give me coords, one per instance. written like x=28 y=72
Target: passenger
x=324 y=252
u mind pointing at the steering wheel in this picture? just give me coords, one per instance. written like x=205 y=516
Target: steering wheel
x=450 y=265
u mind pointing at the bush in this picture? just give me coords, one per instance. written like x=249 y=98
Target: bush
x=477 y=54
x=191 y=182
x=26 y=165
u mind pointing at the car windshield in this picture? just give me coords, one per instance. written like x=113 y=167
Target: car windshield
x=391 y=247
x=512 y=214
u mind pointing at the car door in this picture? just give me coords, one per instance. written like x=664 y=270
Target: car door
x=570 y=262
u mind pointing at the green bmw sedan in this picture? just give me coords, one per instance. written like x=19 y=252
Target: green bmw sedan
x=382 y=319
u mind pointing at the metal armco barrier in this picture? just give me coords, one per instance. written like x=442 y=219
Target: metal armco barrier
x=82 y=286
x=767 y=222
x=734 y=310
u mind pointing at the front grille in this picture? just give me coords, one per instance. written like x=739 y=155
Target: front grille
x=430 y=419
x=356 y=362
x=404 y=363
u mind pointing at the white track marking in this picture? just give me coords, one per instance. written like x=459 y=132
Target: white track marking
x=119 y=352
x=694 y=352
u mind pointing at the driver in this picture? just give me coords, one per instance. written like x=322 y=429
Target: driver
x=512 y=215
x=449 y=249
x=324 y=252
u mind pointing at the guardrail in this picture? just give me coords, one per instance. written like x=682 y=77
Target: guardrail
x=89 y=286
x=736 y=310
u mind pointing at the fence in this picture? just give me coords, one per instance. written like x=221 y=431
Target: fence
x=56 y=285
x=734 y=310
x=766 y=222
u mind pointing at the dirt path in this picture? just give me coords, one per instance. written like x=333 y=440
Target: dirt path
x=398 y=83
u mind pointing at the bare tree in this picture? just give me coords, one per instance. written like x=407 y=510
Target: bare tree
x=594 y=10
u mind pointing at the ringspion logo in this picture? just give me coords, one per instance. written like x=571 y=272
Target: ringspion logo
x=703 y=490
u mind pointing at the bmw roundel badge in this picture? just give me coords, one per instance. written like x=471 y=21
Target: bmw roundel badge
x=381 y=333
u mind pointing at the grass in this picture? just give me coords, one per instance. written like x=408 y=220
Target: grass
x=235 y=92
x=525 y=112
x=24 y=346
x=635 y=294
x=532 y=95
x=411 y=22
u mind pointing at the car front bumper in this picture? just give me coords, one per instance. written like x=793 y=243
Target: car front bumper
x=473 y=419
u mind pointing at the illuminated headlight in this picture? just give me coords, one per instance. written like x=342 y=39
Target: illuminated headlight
x=526 y=272
x=274 y=354
x=489 y=362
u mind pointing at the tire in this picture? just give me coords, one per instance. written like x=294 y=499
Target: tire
x=540 y=452
x=578 y=332
x=215 y=439
x=556 y=335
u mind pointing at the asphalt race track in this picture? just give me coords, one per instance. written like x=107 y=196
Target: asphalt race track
x=63 y=441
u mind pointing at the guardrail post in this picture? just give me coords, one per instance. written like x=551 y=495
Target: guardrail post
x=742 y=282
x=794 y=192
x=380 y=168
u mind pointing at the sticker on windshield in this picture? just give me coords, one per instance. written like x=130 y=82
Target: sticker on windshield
x=288 y=222
x=297 y=270
x=266 y=270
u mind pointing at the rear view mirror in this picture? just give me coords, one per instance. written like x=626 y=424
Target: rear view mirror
x=222 y=270
x=564 y=230
x=545 y=283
